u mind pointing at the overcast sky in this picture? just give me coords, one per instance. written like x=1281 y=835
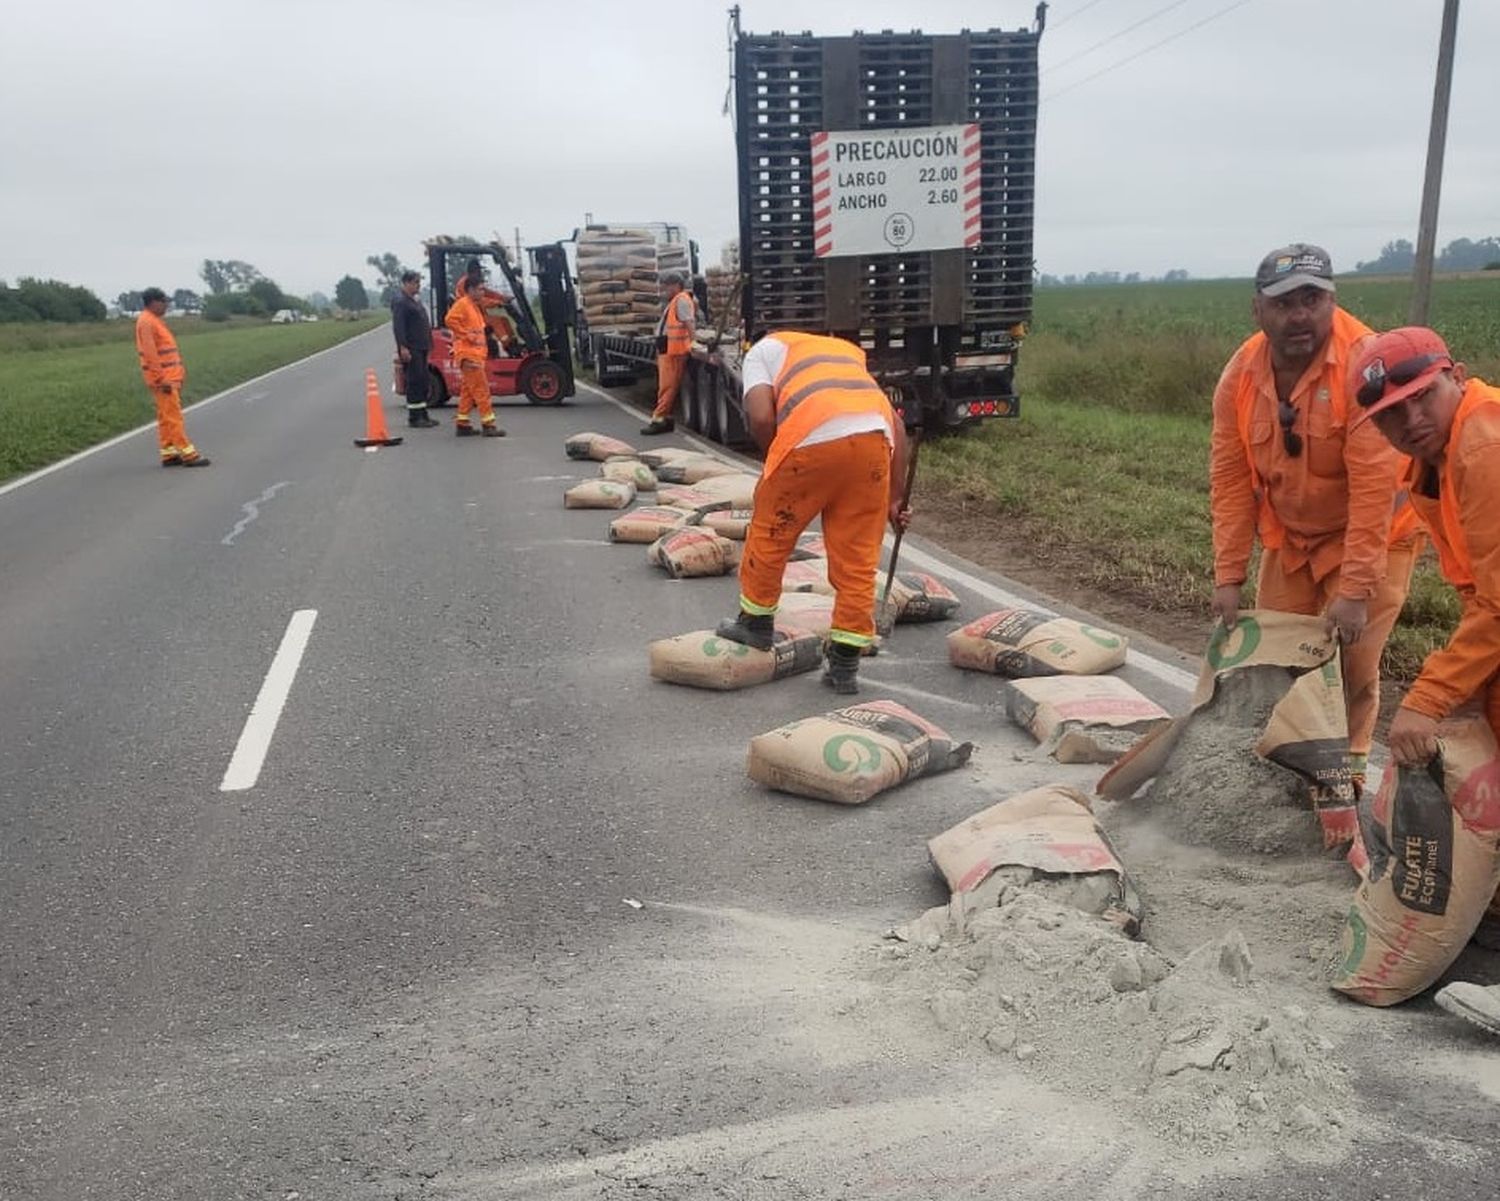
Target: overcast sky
x=303 y=135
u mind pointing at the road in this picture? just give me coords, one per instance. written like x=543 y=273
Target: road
x=401 y=964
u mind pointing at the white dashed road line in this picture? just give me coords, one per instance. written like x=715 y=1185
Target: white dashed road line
x=255 y=740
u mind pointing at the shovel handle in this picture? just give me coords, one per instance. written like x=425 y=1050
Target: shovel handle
x=914 y=444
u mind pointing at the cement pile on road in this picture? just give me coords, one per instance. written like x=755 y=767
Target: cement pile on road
x=1199 y=1052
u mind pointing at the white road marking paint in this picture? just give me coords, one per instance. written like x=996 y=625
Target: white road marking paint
x=255 y=740
x=549 y=479
x=873 y=681
x=1173 y=677
x=252 y=511
x=193 y=408
x=254 y=396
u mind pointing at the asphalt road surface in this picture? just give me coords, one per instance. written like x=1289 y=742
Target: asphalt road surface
x=400 y=963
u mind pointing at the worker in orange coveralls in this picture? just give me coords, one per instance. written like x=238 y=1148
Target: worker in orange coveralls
x=466 y=320
x=674 y=342
x=498 y=321
x=1337 y=537
x=161 y=365
x=834 y=447
x=1412 y=391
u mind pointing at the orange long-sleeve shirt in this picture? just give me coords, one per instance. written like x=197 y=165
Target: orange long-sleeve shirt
x=1329 y=506
x=466 y=320
x=161 y=361
x=1471 y=472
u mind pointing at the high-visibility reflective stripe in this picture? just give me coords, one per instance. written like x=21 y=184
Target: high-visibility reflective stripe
x=750 y=607
x=849 y=638
x=169 y=452
x=814 y=360
x=860 y=384
x=418 y=405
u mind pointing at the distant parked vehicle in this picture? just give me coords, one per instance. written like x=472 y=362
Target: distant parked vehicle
x=283 y=317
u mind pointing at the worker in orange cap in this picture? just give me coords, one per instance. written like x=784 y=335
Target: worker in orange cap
x=466 y=320
x=1336 y=535
x=834 y=447
x=161 y=365
x=1411 y=390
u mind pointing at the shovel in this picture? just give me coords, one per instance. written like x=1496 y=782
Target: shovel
x=885 y=617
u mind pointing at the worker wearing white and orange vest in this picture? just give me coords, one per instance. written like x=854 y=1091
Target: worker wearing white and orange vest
x=466 y=320
x=674 y=342
x=1336 y=535
x=161 y=366
x=1408 y=385
x=835 y=447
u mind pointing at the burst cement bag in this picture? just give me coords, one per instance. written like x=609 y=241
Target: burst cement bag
x=647 y=524
x=1029 y=642
x=1428 y=855
x=853 y=754
x=704 y=660
x=599 y=494
x=596 y=446
x=693 y=552
x=1083 y=719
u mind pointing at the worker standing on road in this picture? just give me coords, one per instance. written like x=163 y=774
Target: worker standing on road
x=413 y=334
x=1336 y=535
x=835 y=447
x=1408 y=386
x=466 y=320
x=161 y=365
x=674 y=342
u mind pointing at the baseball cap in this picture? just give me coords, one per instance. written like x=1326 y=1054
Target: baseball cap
x=1299 y=265
x=1394 y=365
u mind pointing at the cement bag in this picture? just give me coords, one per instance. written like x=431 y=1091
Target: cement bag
x=1083 y=719
x=1028 y=642
x=738 y=488
x=730 y=523
x=646 y=524
x=693 y=552
x=666 y=454
x=599 y=494
x=918 y=596
x=596 y=446
x=853 y=754
x=691 y=498
x=1046 y=840
x=693 y=470
x=704 y=660
x=629 y=471
x=807 y=575
x=1269 y=702
x=1429 y=858
x=806 y=610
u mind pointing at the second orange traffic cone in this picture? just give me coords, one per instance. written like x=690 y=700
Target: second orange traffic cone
x=375 y=432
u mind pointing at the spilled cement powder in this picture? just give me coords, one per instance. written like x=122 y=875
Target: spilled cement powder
x=1216 y=791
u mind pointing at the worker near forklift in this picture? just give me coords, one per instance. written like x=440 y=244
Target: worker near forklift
x=674 y=341
x=466 y=320
x=161 y=366
x=1289 y=464
x=834 y=447
x=413 y=342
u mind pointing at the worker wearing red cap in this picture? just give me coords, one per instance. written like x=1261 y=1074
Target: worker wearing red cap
x=1286 y=465
x=1426 y=404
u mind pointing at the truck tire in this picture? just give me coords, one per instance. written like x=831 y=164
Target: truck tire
x=542 y=382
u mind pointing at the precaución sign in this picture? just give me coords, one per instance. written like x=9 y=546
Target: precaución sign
x=891 y=190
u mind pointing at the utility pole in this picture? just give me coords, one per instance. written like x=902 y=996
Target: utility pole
x=1437 y=137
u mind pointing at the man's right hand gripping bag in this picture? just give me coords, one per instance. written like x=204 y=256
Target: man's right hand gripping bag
x=1428 y=855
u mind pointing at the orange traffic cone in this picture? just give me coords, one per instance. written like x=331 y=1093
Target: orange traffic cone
x=375 y=432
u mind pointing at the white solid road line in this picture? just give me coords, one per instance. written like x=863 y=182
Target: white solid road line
x=192 y=408
x=260 y=726
x=1173 y=677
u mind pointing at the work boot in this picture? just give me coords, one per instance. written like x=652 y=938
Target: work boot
x=196 y=461
x=492 y=431
x=465 y=430
x=841 y=672
x=421 y=422
x=755 y=631
x=1474 y=1003
x=658 y=425
x=172 y=461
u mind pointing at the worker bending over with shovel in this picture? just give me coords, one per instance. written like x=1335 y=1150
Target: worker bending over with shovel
x=834 y=447
x=1408 y=386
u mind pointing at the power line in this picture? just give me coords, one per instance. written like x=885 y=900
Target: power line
x=1154 y=46
x=1160 y=12
x=1077 y=12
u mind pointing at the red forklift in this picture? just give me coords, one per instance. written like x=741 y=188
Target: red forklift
x=537 y=361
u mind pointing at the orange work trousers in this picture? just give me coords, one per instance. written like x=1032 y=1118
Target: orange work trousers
x=848 y=481
x=1298 y=592
x=669 y=372
x=474 y=392
x=171 y=433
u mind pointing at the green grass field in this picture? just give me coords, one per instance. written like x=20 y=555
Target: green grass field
x=1110 y=457
x=67 y=387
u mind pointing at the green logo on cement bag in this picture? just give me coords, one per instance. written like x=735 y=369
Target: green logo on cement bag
x=851 y=753
x=1108 y=641
x=1229 y=648
x=714 y=647
x=1357 y=936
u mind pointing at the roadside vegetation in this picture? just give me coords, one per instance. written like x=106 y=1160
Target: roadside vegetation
x=65 y=387
x=1108 y=464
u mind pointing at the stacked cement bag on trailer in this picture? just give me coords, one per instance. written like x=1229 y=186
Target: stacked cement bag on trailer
x=704 y=660
x=853 y=754
x=619 y=277
x=723 y=299
x=1029 y=642
x=1428 y=854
